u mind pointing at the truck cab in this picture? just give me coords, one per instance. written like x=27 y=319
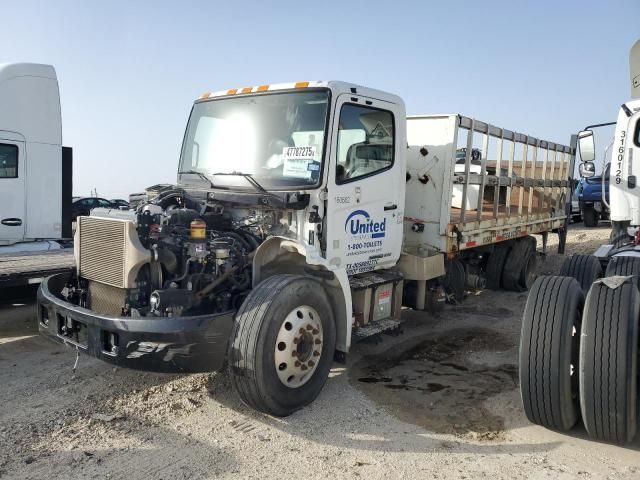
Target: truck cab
x=624 y=197
x=35 y=170
x=625 y=200
x=341 y=145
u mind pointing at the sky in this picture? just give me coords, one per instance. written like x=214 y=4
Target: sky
x=130 y=71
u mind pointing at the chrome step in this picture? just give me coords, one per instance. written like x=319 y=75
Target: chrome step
x=387 y=325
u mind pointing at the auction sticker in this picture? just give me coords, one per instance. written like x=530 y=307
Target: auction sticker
x=300 y=162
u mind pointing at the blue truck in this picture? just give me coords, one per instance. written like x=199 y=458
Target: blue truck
x=589 y=195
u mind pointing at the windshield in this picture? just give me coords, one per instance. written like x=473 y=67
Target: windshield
x=276 y=138
x=461 y=156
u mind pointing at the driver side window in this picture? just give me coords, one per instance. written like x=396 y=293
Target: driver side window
x=8 y=161
x=365 y=142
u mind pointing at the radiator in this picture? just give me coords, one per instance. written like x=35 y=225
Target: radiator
x=108 y=251
x=106 y=300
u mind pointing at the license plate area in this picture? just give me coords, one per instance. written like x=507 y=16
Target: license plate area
x=72 y=331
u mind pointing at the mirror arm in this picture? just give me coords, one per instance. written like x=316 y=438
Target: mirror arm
x=589 y=127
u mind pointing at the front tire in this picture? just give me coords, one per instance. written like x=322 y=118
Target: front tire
x=590 y=217
x=282 y=344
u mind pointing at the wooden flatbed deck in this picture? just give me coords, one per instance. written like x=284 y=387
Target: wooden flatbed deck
x=29 y=268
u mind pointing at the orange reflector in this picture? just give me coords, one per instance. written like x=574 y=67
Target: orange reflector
x=205 y=95
x=233 y=91
x=246 y=90
x=263 y=88
x=302 y=84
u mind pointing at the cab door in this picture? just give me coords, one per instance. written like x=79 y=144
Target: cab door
x=12 y=190
x=365 y=188
x=624 y=199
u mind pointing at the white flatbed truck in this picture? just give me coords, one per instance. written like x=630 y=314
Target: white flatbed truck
x=35 y=177
x=580 y=330
x=304 y=216
x=30 y=268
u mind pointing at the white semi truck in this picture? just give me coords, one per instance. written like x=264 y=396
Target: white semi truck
x=579 y=343
x=304 y=216
x=35 y=176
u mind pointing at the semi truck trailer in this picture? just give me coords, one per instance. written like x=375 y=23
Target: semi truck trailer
x=35 y=176
x=304 y=216
x=579 y=342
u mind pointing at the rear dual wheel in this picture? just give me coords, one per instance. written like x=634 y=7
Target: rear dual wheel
x=594 y=374
x=282 y=344
x=625 y=266
x=609 y=362
x=519 y=269
x=548 y=357
x=586 y=269
x=455 y=279
x=495 y=264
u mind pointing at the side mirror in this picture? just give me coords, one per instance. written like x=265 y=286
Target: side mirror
x=586 y=146
x=587 y=169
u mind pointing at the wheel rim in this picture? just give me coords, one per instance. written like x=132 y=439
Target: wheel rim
x=298 y=347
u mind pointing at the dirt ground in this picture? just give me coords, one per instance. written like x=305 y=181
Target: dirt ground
x=438 y=401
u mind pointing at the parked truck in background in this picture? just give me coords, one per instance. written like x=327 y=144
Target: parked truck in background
x=579 y=342
x=35 y=176
x=304 y=217
x=593 y=206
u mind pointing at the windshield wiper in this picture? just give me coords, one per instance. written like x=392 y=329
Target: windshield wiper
x=249 y=178
x=200 y=174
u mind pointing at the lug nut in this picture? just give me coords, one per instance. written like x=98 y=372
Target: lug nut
x=303 y=367
x=294 y=353
x=316 y=353
x=309 y=327
x=295 y=340
x=311 y=363
x=297 y=364
x=315 y=331
x=318 y=342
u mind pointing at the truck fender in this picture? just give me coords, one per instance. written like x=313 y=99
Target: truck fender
x=278 y=255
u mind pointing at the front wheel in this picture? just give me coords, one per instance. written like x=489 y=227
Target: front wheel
x=282 y=344
x=590 y=217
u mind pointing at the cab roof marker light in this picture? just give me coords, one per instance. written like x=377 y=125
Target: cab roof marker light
x=265 y=88
x=205 y=95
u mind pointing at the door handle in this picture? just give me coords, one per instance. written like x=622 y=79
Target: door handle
x=11 y=222
x=390 y=207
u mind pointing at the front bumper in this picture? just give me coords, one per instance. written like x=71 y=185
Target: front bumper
x=157 y=344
